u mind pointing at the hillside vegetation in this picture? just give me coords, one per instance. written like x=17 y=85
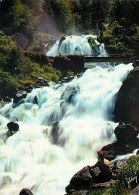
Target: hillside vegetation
x=18 y=68
x=42 y=22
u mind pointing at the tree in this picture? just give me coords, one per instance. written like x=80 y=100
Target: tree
x=61 y=11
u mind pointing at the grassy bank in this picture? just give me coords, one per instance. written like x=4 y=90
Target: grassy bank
x=130 y=169
x=19 y=68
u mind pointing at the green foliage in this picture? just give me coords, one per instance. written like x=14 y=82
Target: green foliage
x=93 y=44
x=10 y=55
x=129 y=169
x=36 y=5
x=121 y=35
x=18 y=68
x=62 y=63
x=20 y=16
x=74 y=63
x=37 y=57
x=62 y=13
x=7 y=84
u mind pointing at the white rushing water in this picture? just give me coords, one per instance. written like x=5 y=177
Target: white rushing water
x=31 y=159
x=76 y=45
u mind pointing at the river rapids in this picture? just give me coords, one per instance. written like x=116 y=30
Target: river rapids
x=32 y=158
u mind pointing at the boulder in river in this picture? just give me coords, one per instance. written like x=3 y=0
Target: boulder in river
x=69 y=94
x=56 y=134
x=25 y=191
x=12 y=128
x=126 y=143
x=19 y=95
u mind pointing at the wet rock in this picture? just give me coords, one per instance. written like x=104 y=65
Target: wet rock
x=137 y=152
x=63 y=108
x=103 y=184
x=135 y=64
x=35 y=100
x=25 y=191
x=117 y=164
x=41 y=81
x=56 y=134
x=19 y=95
x=7 y=99
x=51 y=84
x=127 y=102
x=84 y=179
x=127 y=141
x=60 y=42
x=21 y=40
x=80 y=192
x=80 y=181
x=29 y=87
x=69 y=94
x=12 y=128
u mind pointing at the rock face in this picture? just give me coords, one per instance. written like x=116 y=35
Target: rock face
x=60 y=42
x=81 y=180
x=127 y=141
x=41 y=81
x=127 y=103
x=21 y=40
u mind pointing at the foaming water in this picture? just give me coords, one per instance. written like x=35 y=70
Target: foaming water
x=30 y=158
x=75 y=45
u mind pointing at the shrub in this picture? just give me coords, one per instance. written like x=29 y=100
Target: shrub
x=93 y=44
x=74 y=63
x=18 y=68
x=129 y=169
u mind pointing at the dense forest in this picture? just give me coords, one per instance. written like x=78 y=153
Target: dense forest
x=36 y=24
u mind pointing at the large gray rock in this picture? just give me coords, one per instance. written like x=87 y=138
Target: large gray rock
x=21 y=40
x=127 y=102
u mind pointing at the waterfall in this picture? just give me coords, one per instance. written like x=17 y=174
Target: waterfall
x=79 y=45
x=44 y=159
x=75 y=45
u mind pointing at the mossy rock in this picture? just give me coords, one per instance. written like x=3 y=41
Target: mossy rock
x=92 y=44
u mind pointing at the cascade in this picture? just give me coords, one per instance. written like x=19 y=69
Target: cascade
x=76 y=45
x=33 y=157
